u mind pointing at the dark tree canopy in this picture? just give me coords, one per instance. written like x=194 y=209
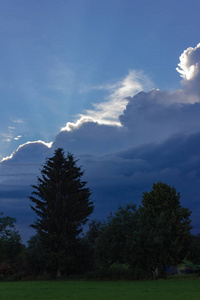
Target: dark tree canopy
x=194 y=251
x=166 y=225
x=116 y=233
x=154 y=236
x=35 y=262
x=10 y=243
x=62 y=203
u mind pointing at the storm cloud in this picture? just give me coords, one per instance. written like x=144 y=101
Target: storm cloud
x=156 y=137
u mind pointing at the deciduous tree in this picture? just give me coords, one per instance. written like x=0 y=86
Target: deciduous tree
x=11 y=248
x=114 y=239
x=194 y=249
x=165 y=227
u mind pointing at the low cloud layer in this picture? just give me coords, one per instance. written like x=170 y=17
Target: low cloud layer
x=126 y=143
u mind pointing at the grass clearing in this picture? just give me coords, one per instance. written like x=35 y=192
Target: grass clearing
x=173 y=289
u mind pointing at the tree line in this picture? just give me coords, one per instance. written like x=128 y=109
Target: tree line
x=141 y=240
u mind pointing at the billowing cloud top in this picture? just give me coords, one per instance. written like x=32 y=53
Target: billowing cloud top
x=153 y=115
x=189 y=68
x=189 y=63
x=130 y=140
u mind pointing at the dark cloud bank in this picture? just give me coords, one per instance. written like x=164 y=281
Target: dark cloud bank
x=159 y=140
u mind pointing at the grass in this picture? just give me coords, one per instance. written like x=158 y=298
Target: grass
x=173 y=289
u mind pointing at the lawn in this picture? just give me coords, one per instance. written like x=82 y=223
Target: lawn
x=173 y=289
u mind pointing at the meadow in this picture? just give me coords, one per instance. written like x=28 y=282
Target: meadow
x=173 y=289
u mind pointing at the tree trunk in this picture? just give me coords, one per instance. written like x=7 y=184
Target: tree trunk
x=154 y=274
x=58 y=273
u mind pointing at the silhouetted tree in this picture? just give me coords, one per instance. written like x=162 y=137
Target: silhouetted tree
x=164 y=234
x=35 y=261
x=116 y=236
x=194 y=249
x=11 y=248
x=153 y=236
x=62 y=204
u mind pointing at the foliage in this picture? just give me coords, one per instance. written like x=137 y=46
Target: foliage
x=194 y=250
x=153 y=236
x=164 y=234
x=95 y=229
x=90 y=238
x=62 y=205
x=10 y=240
x=35 y=263
x=11 y=248
x=112 y=243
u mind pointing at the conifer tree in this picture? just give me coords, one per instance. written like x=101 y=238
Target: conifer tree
x=62 y=203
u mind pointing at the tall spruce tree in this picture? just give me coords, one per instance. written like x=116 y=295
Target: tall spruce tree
x=62 y=204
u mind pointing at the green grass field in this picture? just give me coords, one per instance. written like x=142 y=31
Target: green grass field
x=173 y=289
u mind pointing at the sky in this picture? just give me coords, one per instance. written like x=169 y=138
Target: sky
x=117 y=83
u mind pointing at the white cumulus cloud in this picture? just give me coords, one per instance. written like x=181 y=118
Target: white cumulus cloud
x=189 y=63
x=189 y=68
